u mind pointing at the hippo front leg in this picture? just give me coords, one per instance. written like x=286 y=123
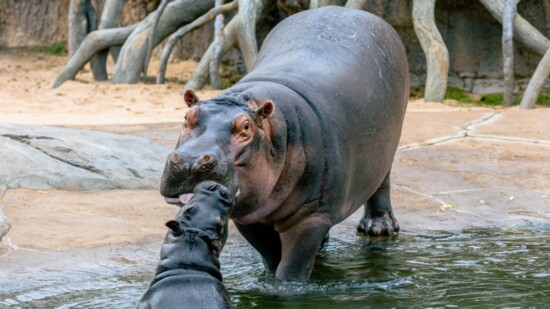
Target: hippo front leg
x=265 y=240
x=300 y=245
x=378 y=219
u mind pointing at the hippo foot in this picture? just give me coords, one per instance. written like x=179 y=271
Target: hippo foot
x=383 y=224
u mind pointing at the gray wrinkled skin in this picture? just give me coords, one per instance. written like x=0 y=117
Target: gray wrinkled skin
x=307 y=137
x=188 y=274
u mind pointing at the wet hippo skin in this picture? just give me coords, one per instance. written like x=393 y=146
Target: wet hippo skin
x=188 y=274
x=305 y=139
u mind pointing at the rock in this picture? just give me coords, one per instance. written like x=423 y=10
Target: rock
x=3 y=187
x=42 y=157
x=4 y=224
x=485 y=86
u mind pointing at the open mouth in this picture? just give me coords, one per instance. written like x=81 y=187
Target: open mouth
x=180 y=200
x=184 y=198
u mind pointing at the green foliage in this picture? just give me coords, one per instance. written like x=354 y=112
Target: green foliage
x=52 y=49
x=493 y=99
x=229 y=76
x=460 y=95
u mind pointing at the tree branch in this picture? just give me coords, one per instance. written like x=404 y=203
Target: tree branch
x=437 y=56
x=199 y=22
x=94 y=42
x=536 y=82
x=110 y=18
x=508 y=51
x=523 y=30
x=158 y=14
x=217 y=51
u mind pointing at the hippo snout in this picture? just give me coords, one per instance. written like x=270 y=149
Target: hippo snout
x=183 y=171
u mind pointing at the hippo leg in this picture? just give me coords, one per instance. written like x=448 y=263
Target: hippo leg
x=301 y=243
x=265 y=240
x=378 y=218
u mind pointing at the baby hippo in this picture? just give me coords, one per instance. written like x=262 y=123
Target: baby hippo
x=188 y=274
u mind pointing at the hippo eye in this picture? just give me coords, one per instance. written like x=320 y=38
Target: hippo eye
x=246 y=126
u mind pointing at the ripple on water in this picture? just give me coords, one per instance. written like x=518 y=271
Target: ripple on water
x=472 y=268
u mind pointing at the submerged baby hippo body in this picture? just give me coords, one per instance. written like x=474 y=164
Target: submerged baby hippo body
x=188 y=274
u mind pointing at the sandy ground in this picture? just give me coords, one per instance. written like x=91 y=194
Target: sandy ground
x=63 y=220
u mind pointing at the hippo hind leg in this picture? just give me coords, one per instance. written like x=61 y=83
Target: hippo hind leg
x=378 y=219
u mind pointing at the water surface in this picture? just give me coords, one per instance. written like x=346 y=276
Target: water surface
x=483 y=268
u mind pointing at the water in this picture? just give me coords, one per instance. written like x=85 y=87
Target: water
x=488 y=268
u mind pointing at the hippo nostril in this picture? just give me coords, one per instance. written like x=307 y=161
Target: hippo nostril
x=205 y=159
x=175 y=158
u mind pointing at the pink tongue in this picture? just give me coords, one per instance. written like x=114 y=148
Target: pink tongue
x=184 y=198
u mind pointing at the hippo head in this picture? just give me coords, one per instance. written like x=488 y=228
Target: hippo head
x=221 y=139
x=206 y=213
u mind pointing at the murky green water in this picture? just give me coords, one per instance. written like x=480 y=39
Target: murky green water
x=490 y=268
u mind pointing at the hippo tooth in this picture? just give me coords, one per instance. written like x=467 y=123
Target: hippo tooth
x=238 y=192
x=172 y=200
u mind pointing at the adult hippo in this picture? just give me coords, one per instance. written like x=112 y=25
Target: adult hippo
x=188 y=275
x=305 y=139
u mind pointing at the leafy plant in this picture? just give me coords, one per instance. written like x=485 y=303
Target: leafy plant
x=52 y=49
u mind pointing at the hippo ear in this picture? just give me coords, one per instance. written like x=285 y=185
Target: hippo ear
x=190 y=97
x=175 y=227
x=265 y=110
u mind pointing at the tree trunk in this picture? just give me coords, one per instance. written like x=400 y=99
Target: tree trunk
x=217 y=51
x=110 y=18
x=230 y=33
x=508 y=52
x=523 y=30
x=199 y=22
x=158 y=14
x=200 y=74
x=82 y=20
x=319 y=3
x=94 y=42
x=537 y=81
x=248 y=11
x=437 y=56
x=356 y=4
x=132 y=55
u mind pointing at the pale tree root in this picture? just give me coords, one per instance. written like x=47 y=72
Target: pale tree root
x=508 y=51
x=248 y=10
x=217 y=52
x=199 y=22
x=110 y=18
x=94 y=42
x=536 y=83
x=532 y=39
x=158 y=14
x=200 y=74
x=356 y=4
x=132 y=56
x=437 y=56
x=523 y=30
x=230 y=33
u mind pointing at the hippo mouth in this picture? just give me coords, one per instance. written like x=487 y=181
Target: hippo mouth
x=179 y=200
x=184 y=198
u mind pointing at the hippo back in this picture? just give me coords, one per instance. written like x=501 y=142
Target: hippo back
x=351 y=68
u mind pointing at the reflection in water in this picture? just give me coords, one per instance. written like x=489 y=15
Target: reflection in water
x=474 y=268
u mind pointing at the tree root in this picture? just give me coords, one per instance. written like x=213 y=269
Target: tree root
x=199 y=22
x=95 y=41
x=132 y=56
x=217 y=52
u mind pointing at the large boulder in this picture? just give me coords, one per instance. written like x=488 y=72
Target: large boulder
x=42 y=157
x=4 y=224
